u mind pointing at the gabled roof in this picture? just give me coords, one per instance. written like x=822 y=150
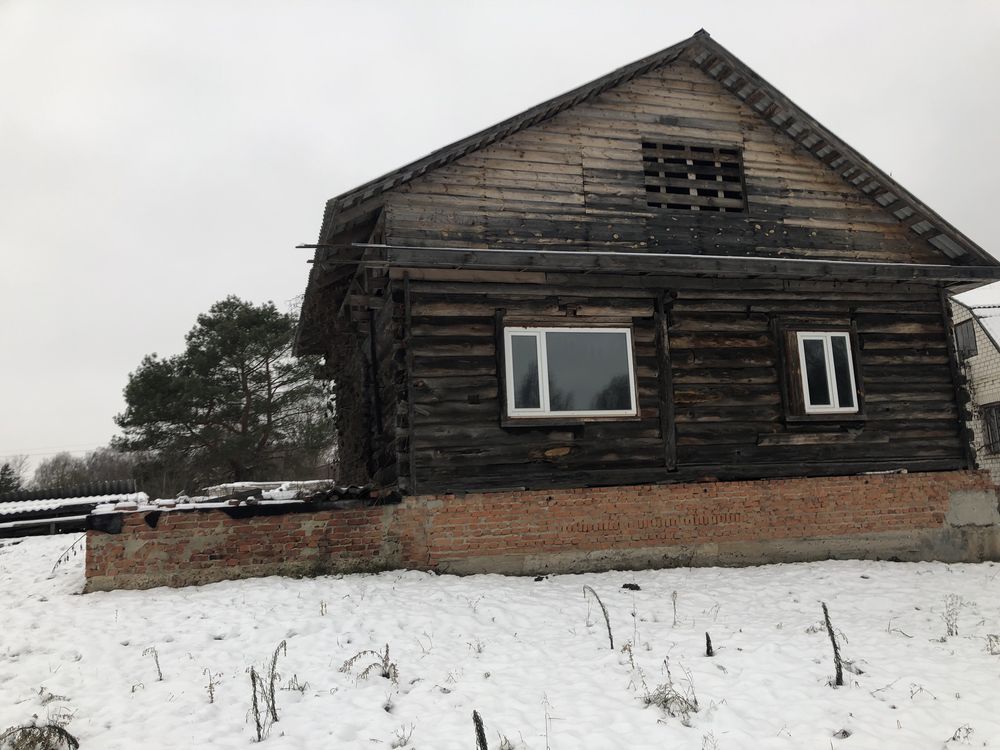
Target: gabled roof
x=360 y=204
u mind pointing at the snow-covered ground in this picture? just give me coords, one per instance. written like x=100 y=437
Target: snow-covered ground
x=531 y=656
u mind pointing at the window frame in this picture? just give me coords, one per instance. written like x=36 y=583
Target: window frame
x=788 y=365
x=990 y=418
x=834 y=406
x=543 y=412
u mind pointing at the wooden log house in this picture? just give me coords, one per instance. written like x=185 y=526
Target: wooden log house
x=671 y=274
x=666 y=318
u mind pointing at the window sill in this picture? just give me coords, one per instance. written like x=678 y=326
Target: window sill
x=554 y=421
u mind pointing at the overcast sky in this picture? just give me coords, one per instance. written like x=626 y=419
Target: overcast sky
x=157 y=156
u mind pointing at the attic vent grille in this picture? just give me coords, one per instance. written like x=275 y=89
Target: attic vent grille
x=693 y=178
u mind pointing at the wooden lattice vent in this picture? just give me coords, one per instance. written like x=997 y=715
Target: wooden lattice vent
x=693 y=178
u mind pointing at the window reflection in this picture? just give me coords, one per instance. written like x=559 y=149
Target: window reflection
x=524 y=353
x=588 y=371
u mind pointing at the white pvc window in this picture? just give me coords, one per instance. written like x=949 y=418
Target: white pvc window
x=827 y=369
x=569 y=372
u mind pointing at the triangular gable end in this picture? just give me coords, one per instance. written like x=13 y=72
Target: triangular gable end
x=749 y=89
x=582 y=179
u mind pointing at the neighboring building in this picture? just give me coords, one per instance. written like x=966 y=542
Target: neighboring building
x=977 y=333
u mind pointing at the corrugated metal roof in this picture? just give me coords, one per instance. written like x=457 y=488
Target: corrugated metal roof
x=23 y=507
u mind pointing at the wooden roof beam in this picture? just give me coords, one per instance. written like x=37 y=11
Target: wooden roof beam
x=913 y=219
x=632 y=263
x=708 y=63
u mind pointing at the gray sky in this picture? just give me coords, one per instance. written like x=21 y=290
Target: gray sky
x=156 y=156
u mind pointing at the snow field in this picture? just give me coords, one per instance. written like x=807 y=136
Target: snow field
x=531 y=656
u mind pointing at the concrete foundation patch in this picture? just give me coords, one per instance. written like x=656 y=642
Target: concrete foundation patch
x=973 y=508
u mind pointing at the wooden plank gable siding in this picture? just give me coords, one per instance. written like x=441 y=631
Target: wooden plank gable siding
x=577 y=179
x=722 y=374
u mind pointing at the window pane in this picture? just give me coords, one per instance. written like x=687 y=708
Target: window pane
x=815 y=364
x=842 y=370
x=588 y=371
x=524 y=361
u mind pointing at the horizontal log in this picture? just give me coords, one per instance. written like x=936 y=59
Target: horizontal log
x=822 y=438
x=792 y=455
x=566 y=260
x=546 y=477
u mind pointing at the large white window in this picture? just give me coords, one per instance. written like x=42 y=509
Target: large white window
x=569 y=372
x=827 y=370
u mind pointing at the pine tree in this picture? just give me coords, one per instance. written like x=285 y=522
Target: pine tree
x=235 y=404
x=9 y=480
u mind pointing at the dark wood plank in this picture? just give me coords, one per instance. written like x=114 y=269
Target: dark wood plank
x=666 y=384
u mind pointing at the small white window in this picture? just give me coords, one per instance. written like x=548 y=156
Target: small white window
x=569 y=372
x=827 y=372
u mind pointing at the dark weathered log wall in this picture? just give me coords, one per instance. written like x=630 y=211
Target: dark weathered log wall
x=348 y=374
x=709 y=390
x=725 y=367
x=577 y=179
x=385 y=347
x=456 y=436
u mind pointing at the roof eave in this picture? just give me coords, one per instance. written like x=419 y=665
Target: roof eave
x=531 y=116
x=853 y=167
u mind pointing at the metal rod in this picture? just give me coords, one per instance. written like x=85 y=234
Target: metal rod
x=620 y=254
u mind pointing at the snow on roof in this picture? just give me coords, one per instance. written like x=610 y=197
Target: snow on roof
x=37 y=506
x=238 y=493
x=984 y=296
x=187 y=503
x=219 y=490
x=989 y=319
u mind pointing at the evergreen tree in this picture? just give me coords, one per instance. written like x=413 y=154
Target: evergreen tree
x=9 y=480
x=235 y=404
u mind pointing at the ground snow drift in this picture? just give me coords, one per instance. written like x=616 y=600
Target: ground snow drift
x=532 y=657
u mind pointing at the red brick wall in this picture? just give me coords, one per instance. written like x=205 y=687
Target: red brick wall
x=681 y=514
x=534 y=531
x=196 y=546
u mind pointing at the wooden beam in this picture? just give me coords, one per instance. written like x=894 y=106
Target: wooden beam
x=457 y=274
x=959 y=382
x=582 y=261
x=913 y=219
x=666 y=385
x=768 y=113
x=411 y=428
x=708 y=63
x=376 y=396
x=736 y=84
x=754 y=97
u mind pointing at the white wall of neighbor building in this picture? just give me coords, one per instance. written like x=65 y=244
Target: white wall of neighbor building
x=982 y=372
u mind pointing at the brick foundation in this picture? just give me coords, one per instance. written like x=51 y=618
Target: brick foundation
x=948 y=516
